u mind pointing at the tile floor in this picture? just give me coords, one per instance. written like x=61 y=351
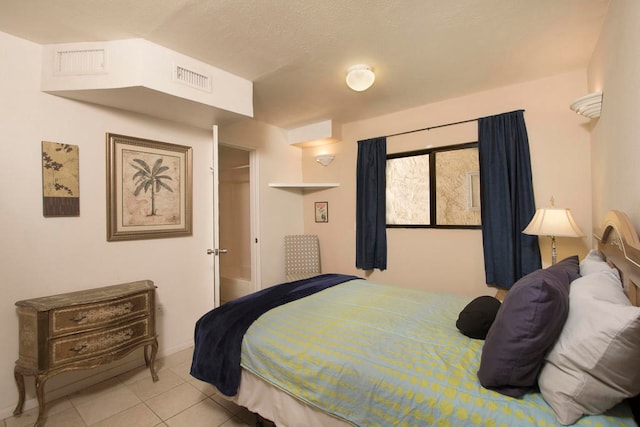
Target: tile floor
x=134 y=400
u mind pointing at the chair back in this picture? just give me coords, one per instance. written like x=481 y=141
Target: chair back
x=302 y=256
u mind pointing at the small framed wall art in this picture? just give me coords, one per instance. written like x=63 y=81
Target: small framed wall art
x=60 y=179
x=322 y=211
x=149 y=189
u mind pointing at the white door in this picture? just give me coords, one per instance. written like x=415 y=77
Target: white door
x=215 y=251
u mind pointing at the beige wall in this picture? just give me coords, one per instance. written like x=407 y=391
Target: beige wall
x=452 y=260
x=615 y=70
x=42 y=256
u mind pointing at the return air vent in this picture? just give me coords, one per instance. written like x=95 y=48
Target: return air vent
x=192 y=78
x=85 y=61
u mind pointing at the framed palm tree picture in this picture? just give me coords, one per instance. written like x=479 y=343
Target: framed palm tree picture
x=149 y=189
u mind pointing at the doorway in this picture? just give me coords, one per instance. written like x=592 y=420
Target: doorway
x=235 y=227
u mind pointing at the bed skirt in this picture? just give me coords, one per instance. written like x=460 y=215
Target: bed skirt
x=275 y=405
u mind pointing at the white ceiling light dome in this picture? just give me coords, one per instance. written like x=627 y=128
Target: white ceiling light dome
x=360 y=77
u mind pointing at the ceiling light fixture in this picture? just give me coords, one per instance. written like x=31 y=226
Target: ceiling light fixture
x=360 y=77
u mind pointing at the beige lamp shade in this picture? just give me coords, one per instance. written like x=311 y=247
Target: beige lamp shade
x=553 y=222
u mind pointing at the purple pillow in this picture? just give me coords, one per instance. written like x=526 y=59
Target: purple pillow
x=526 y=327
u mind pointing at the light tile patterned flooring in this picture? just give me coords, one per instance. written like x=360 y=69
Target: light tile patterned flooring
x=132 y=399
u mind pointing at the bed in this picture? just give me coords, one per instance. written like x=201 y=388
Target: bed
x=362 y=353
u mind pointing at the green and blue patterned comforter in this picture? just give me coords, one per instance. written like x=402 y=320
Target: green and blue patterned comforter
x=379 y=355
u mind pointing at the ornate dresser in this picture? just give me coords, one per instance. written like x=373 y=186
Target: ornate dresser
x=83 y=329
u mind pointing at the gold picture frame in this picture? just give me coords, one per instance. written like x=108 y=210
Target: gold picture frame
x=149 y=189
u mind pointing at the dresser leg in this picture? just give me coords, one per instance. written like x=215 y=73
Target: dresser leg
x=40 y=380
x=20 y=383
x=150 y=360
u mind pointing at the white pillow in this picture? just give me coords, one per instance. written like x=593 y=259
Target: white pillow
x=593 y=263
x=594 y=364
x=604 y=285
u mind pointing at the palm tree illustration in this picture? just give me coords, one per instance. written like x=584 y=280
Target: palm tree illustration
x=147 y=178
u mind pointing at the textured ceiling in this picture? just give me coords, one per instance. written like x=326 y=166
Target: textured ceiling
x=297 y=51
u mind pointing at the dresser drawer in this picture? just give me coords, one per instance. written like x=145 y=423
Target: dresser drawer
x=93 y=344
x=82 y=317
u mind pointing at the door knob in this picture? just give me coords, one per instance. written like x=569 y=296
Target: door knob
x=216 y=251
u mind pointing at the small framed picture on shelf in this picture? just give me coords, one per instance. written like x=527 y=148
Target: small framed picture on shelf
x=322 y=211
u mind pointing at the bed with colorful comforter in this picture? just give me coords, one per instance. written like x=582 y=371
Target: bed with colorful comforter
x=371 y=354
x=376 y=356
x=335 y=350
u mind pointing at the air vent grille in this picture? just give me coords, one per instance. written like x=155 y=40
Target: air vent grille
x=192 y=78
x=85 y=61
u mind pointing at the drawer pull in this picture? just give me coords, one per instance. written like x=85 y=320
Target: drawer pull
x=79 y=348
x=106 y=341
x=80 y=317
x=103 y=313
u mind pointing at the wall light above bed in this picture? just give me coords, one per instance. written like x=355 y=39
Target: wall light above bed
x=589 y=105
x=553 y=222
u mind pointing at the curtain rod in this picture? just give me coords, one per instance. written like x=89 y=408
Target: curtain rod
x=439 y=126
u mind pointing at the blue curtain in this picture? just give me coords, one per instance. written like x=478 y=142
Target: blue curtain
x=506 y=197
x=371 y=224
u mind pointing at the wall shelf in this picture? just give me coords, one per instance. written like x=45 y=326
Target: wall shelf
x=304 y=186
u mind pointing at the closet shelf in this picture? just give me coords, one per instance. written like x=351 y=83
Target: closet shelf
x=304 y=186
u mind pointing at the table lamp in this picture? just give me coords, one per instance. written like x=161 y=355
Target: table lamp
x=553 y=222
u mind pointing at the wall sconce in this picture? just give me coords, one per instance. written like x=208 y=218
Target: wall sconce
x=589 y=105
x=325 y=159
x=360 y=77
x=554 y=223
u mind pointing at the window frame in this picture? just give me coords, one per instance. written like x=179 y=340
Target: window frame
x=433 y=153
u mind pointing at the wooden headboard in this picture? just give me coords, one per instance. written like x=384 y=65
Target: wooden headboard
x=619 y=244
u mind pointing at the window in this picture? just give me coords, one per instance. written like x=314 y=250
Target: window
x=434 y=188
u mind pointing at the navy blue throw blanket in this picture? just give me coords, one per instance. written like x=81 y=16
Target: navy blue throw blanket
x=219 y=333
